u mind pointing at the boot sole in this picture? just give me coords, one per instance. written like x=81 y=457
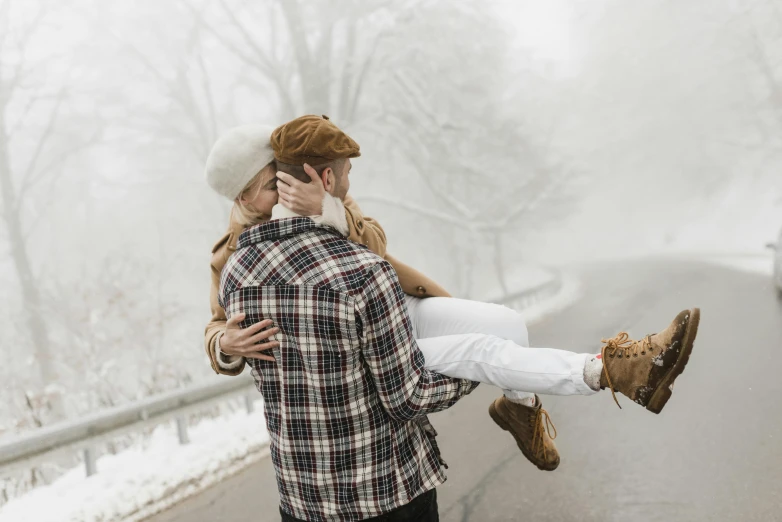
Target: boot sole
x=663 y=392
x=497 y=418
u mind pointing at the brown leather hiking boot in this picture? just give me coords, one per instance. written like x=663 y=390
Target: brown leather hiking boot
x=645 y=370
x=526 y=424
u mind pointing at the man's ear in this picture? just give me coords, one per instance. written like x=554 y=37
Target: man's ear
x=328 y=179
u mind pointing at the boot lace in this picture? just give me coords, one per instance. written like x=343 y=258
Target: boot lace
x=543 y=425
x=622 y=346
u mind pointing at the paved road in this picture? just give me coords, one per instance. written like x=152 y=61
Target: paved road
x=715 y=452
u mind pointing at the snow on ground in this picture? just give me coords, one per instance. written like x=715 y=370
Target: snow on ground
x=144 y=479
x=148 y=478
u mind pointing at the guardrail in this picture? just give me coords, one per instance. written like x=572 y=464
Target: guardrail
x=85 y=433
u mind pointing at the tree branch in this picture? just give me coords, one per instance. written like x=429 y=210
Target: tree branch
x=30 y=31
x=57 y=160
x=467 y=224
x=5 y=6
x=358 y=85
x=266 y=66
x=438 y=216
x=44 y=138
x=260 y=54
x=207 y=87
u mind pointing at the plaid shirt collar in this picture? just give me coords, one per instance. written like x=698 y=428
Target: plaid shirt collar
x=278 y=229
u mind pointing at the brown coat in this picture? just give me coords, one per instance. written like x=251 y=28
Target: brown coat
x=364 y=230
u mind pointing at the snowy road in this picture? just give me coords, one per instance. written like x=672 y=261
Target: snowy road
x=715 y=453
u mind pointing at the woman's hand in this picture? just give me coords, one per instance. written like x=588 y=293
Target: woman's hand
x=244 y=342
x=305 y=199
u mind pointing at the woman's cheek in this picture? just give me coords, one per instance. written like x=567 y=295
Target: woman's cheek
x=271 y=200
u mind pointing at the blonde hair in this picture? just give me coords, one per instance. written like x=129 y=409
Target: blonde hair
x=245 y=214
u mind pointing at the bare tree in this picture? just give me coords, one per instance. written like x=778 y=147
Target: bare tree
x=183 y=81
x=768 y=65
x=33 y=151
x=323 y=61
x=482 y=171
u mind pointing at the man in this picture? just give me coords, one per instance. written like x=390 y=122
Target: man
x=347 y=396
x=347 y=377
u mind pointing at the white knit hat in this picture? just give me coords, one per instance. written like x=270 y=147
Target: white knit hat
x=237 y=157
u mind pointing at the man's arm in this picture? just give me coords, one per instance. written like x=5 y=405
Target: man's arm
x=405 y=387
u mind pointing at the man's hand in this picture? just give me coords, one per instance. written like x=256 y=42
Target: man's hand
x=244 y=342
x=305 y=199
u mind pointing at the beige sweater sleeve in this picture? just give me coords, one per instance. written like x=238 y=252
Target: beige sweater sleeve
x=220 y=254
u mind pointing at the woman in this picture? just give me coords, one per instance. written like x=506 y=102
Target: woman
x=459 y=338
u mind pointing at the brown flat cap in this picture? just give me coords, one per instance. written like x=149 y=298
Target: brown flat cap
x=312 y=139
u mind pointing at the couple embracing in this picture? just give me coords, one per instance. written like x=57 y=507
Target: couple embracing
x=352 y=349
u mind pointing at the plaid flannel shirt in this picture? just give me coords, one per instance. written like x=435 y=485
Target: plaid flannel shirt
x=347 y=398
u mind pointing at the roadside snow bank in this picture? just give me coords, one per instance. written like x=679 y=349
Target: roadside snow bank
x=145 y=479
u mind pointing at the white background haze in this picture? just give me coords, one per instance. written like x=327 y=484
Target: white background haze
x=493 y=134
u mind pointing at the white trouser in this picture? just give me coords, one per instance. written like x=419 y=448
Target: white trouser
x=488 y=343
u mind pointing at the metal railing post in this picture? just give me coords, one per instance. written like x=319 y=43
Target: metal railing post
x=89 y=461
x=181 y=428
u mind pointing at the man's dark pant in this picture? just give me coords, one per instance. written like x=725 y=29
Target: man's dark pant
x=422 y=508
